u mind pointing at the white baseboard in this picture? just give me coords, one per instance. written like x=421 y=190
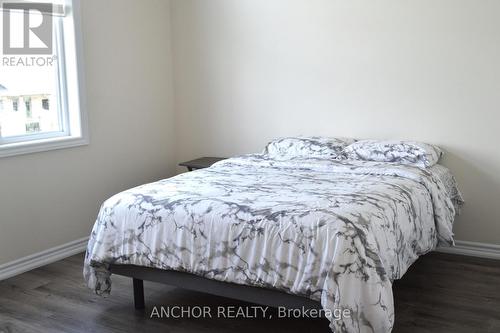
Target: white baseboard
x=39 y=259
x=473 y=249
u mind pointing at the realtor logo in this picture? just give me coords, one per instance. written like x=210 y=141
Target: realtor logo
x=27 y=28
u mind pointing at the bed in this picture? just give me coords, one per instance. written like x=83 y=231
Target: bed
x=308 y=231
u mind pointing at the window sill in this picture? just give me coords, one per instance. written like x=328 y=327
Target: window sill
x=36 y=146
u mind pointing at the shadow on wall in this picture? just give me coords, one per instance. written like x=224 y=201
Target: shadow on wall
x=481 y=191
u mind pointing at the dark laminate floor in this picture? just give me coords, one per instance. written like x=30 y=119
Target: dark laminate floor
x=440 y=293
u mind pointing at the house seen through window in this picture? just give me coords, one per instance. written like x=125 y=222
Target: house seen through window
x=40 y=87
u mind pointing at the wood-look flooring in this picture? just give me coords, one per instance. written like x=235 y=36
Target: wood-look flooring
x=440 y=293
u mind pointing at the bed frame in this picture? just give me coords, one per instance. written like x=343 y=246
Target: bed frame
x=256 y=295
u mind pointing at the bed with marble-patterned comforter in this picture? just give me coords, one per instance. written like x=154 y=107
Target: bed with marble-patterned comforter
x=338 y=232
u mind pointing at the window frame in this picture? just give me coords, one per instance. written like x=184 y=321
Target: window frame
x=72 y=106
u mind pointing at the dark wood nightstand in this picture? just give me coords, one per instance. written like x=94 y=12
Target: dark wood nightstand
x=201 y=163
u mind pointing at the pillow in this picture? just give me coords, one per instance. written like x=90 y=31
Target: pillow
x=300 y=147
x=404 y=152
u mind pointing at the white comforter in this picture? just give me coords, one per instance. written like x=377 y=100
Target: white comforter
x=338 y=232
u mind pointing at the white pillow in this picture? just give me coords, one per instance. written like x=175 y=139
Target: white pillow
x=404 y=152
x=306 y=147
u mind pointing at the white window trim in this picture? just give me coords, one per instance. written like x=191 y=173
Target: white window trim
x=76 y=97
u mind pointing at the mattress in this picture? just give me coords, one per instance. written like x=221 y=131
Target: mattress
x=338 y=232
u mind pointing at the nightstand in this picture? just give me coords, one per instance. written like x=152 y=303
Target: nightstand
x=201 y=163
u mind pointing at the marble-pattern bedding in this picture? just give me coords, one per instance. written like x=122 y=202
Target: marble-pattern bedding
x=403 y=152
x=339 y=232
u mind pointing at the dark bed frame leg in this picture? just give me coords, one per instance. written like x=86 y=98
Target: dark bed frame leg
x=138 y=294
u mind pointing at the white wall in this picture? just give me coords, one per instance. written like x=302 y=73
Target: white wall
x=51 y=198
x=250 y=70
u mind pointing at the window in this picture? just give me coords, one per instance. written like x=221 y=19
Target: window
x=32 y=127
x=45 y=103
x=41 y=77
x=27 y=103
